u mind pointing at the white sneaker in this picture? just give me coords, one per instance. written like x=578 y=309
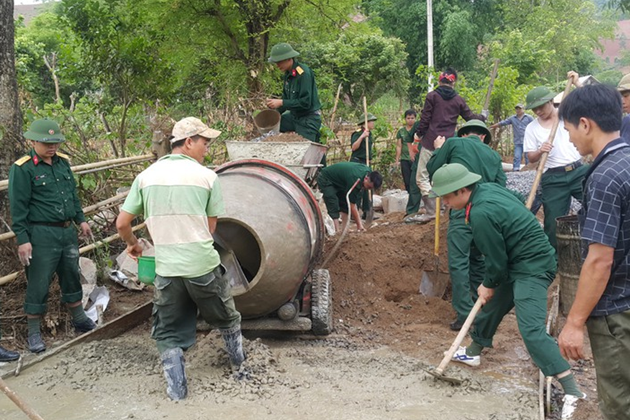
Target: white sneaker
x=569 y=405
x=461 y=356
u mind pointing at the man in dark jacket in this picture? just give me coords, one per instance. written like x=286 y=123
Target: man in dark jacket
x=441 y=109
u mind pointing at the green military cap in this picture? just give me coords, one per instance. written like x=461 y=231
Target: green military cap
x=475 y=125
x=45 y=131
x=624 y=83
x=452 y=177
x=282 y=51
x=370 y=117
x=538 y=96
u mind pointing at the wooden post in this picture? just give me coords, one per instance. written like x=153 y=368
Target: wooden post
x=160 y=144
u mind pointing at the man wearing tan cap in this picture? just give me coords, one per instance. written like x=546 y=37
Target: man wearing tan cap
x=181 y=200
x=624 y=89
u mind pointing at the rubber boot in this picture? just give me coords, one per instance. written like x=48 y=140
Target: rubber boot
x=234 y=346
x=429 y=205
x=175 y=373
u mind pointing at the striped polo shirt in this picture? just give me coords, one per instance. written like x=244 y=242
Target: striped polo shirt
x=177 y=195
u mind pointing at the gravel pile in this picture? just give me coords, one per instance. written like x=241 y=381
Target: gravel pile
x=522 y=182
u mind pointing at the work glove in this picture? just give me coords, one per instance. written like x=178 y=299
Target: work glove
x=485 y=113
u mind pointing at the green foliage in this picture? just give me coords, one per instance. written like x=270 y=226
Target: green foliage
x=458 y=43
x=367 y=65
x=609 y=77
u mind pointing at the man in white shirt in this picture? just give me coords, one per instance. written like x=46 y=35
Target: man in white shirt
x=563 y=172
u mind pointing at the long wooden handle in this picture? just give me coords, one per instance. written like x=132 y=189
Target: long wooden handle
x=365 y=127
x=19 y=402
x=436 y=251
x=493 y=76
x=332 y=116
x=543 y=158
x=460 y=337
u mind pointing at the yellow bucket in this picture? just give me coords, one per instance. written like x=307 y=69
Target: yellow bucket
x=146 y=269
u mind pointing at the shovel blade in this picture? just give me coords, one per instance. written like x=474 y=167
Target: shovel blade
x=433 y=284
x=369 y=216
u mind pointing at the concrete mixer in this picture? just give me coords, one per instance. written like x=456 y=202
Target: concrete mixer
x=271 y=237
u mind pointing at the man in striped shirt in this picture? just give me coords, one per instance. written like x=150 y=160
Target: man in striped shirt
x=181 y=200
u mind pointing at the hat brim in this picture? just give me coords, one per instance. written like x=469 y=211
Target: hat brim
x=282 y=57
x=469 y=179
x=369 y=119
x=59 y=138
x=208 y=133
x=466 y=130
x=623 y=88
x=541 y=101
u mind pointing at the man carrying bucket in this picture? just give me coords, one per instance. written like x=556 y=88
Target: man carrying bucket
x=181 y=200
x=299 y=106
x=592 y=117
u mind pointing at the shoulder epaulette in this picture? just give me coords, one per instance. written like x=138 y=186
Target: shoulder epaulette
x=21 y=161
x=300 y=70
x=63 y=155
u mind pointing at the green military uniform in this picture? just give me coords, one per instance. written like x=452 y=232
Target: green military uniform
x=44 y=202
x=300 y=103
x=520 y=266
x=406 y=137
x=465 y=262
x=415 y=195
x=336 y=180
x=360 y=154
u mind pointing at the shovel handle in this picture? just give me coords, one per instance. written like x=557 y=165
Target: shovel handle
x=460 y=337
x=436 y=251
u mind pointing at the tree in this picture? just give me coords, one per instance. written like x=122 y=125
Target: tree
x=365 y=64
x=121 y=51
x=11 y=142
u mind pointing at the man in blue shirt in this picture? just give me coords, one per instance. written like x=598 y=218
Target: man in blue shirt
x=592 y=116
x=624 y=89
x=518 y=121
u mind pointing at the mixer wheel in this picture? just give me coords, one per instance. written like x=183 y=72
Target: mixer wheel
x=321 y=302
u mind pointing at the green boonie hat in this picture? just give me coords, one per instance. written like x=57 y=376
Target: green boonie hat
x=538 y=96
x=370 y=117
x=624 y=83
x=452 y=177
x=45 y=131
x=282 y=51
x=477 y=124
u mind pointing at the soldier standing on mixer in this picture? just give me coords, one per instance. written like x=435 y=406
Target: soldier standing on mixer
x=181 y=200
x=299 y=106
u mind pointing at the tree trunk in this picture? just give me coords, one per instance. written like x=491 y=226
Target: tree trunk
x=11 y=143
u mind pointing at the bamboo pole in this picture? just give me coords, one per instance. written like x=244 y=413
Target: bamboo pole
x=4 y=184
x=6 y=279
x=86 y=210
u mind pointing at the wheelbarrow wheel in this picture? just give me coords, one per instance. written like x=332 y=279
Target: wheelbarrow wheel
x=321 y=302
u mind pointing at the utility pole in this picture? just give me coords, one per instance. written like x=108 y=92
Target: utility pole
x=430 y=42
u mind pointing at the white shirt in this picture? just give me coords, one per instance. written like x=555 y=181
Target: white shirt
x=563 y=152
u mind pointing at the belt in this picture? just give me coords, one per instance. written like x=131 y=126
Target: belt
x=64 y=224
x=567 y=168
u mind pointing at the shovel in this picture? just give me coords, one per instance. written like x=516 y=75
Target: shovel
x=439 y=371
x=369 y=217
x=434 y=283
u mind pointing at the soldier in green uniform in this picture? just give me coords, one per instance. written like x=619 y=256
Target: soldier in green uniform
x=336 y=180
x=299 y=106
x=520 y=266
x=465 y=262
x=360 y=154
x=404 y=138
x=44 y=205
